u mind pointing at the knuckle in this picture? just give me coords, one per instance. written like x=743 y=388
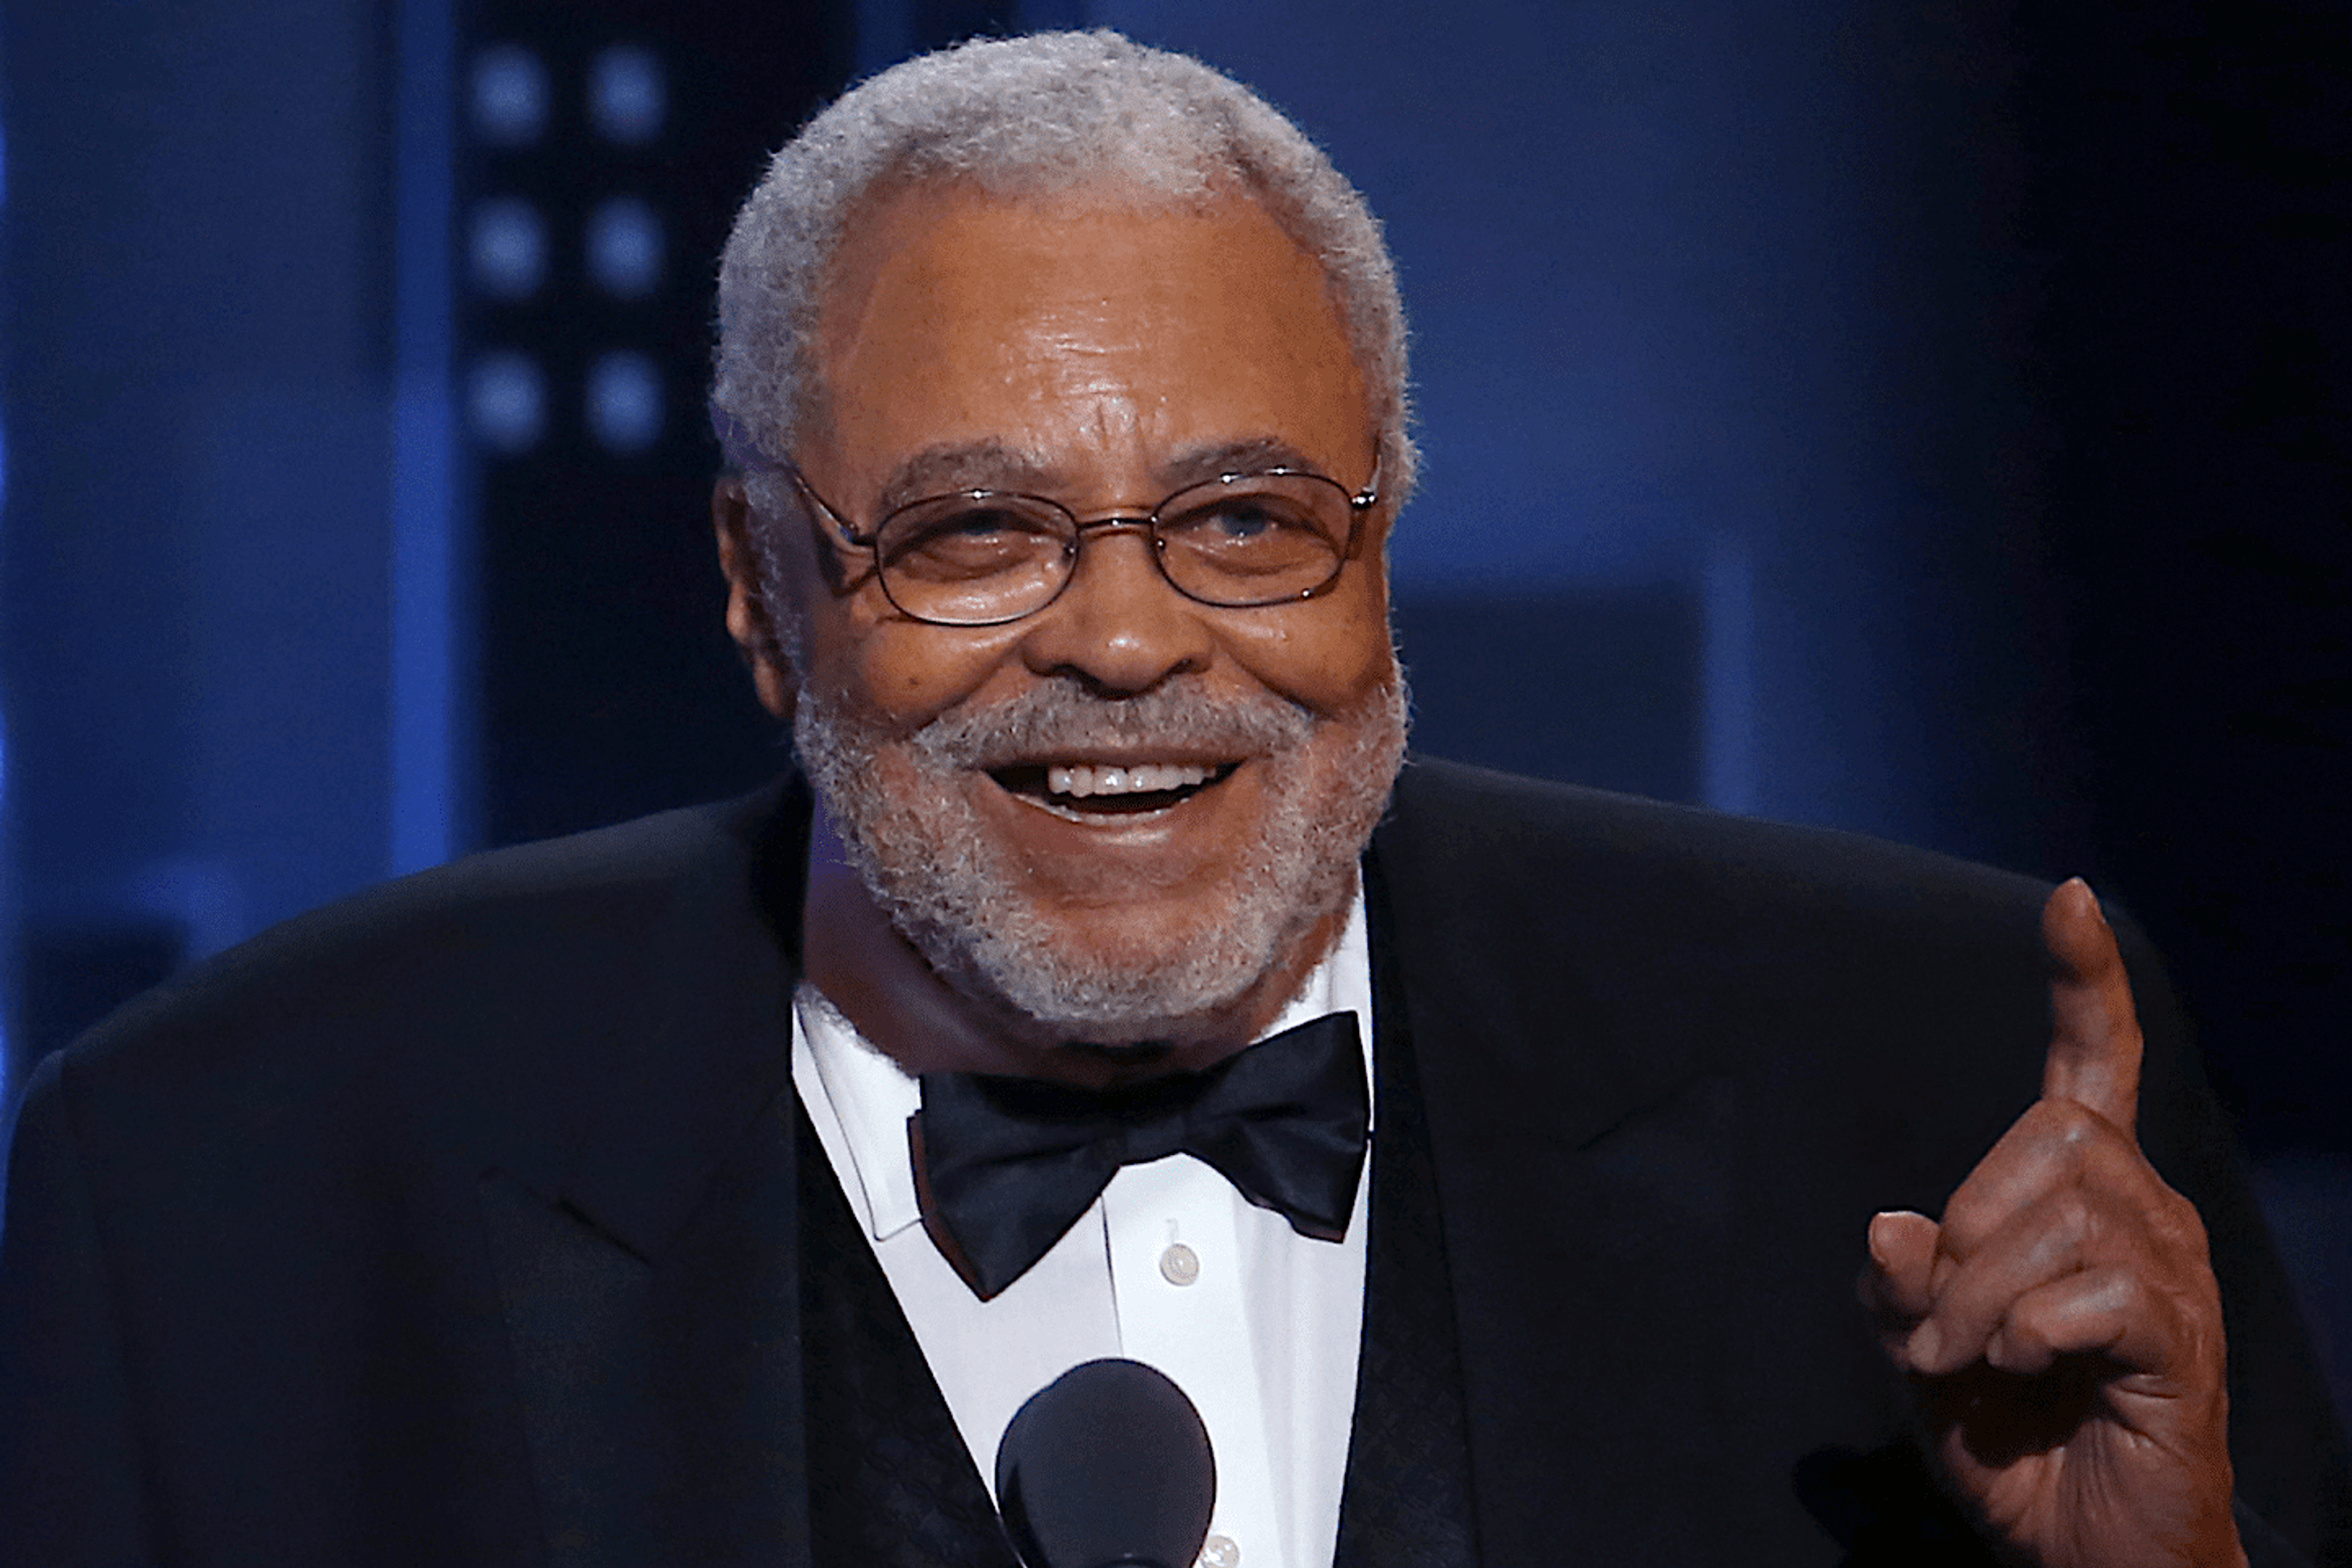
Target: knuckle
x=2188 y=1223
x=2058 y=1229
x=2067 y=1132
x=2074 y=1217
x=2174 y=1225
x=2079 y=1129
x=2126 y=1293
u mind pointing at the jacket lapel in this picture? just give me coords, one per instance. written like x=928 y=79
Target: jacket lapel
x=1406 y=1503
x=1576 y=1136
x=644 y=1232
x=661 y=1398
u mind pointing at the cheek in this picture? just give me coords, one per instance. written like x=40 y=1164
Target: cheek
x=1327 y=654
x=903 y=674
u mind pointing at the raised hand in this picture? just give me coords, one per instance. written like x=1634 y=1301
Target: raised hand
x=2062 y=1325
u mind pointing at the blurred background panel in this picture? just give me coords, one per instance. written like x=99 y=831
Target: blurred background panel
x=1930 y=421
x=602 y=151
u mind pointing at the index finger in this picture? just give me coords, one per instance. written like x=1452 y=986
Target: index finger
x=2095 y=1043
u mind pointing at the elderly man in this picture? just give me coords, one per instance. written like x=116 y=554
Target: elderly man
x=714 y=1188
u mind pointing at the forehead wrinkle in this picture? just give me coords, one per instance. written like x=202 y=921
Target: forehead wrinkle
x=1117 y=423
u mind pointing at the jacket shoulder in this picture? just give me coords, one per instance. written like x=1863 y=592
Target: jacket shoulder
x=558 y=943
x=1602 y=950
x=1487 y=835
x=1573 y=932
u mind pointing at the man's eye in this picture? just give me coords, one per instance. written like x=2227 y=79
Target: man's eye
x=967 y=542
x=979 y=523
x=963 y=526
x=1236 y=522
x=1243 y=521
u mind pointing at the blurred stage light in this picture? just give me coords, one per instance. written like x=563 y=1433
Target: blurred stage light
x=509 y=95
x=506 y=399
x=624 y=248
x=626 y=94
x=508 y=248
x=625 y=401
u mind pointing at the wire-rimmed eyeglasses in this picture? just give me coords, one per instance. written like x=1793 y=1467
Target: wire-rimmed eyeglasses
x=981 y=557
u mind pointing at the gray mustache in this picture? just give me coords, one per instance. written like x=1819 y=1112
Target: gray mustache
x=1062 y=716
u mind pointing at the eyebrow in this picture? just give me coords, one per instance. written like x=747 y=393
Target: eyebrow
x=1234 y=458
x=989 y=464
x=994 y=463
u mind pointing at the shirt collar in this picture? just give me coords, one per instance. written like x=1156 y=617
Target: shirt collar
x=870 y=1097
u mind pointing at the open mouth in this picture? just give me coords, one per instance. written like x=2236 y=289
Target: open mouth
x=1082 y=790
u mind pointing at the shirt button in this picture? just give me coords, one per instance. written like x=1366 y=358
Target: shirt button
x=1180 y=1265
x=1220 y=1552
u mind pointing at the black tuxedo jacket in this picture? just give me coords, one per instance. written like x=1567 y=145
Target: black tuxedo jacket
x=456 y=1224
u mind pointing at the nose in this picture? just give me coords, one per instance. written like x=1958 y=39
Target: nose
x=1119 y=625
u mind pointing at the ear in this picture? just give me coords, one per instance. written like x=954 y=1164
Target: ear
x=748 y=620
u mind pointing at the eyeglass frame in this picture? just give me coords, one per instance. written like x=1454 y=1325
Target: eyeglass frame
x=1359 y=503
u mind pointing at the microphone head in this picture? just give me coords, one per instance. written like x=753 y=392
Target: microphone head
x=1107 y=1467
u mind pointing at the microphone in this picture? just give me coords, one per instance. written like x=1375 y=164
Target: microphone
x=1107 y=1467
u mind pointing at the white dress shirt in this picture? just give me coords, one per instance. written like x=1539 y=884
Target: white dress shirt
x=1172 y=1267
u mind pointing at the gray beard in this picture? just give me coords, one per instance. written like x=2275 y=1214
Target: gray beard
x=927 y=860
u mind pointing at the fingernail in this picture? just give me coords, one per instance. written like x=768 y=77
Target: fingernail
x=1884 y=1225
x=1927 y=1344
x=1878 y=1228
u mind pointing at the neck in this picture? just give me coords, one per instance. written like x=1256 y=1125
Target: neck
x=914 y=1015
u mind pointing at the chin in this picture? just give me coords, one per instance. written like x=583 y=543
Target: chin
x=1177 y=981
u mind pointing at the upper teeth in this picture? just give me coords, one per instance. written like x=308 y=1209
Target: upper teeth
x=1104 y=779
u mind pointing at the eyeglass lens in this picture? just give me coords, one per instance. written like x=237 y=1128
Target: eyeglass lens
x=973 y=559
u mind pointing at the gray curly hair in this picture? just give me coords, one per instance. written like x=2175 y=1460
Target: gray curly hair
x=1045 y=113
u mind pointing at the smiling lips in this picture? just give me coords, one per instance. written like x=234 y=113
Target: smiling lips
x=1143 y=778
x=1113 y=787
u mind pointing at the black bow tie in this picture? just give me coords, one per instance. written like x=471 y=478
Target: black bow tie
x=1006 y=1165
